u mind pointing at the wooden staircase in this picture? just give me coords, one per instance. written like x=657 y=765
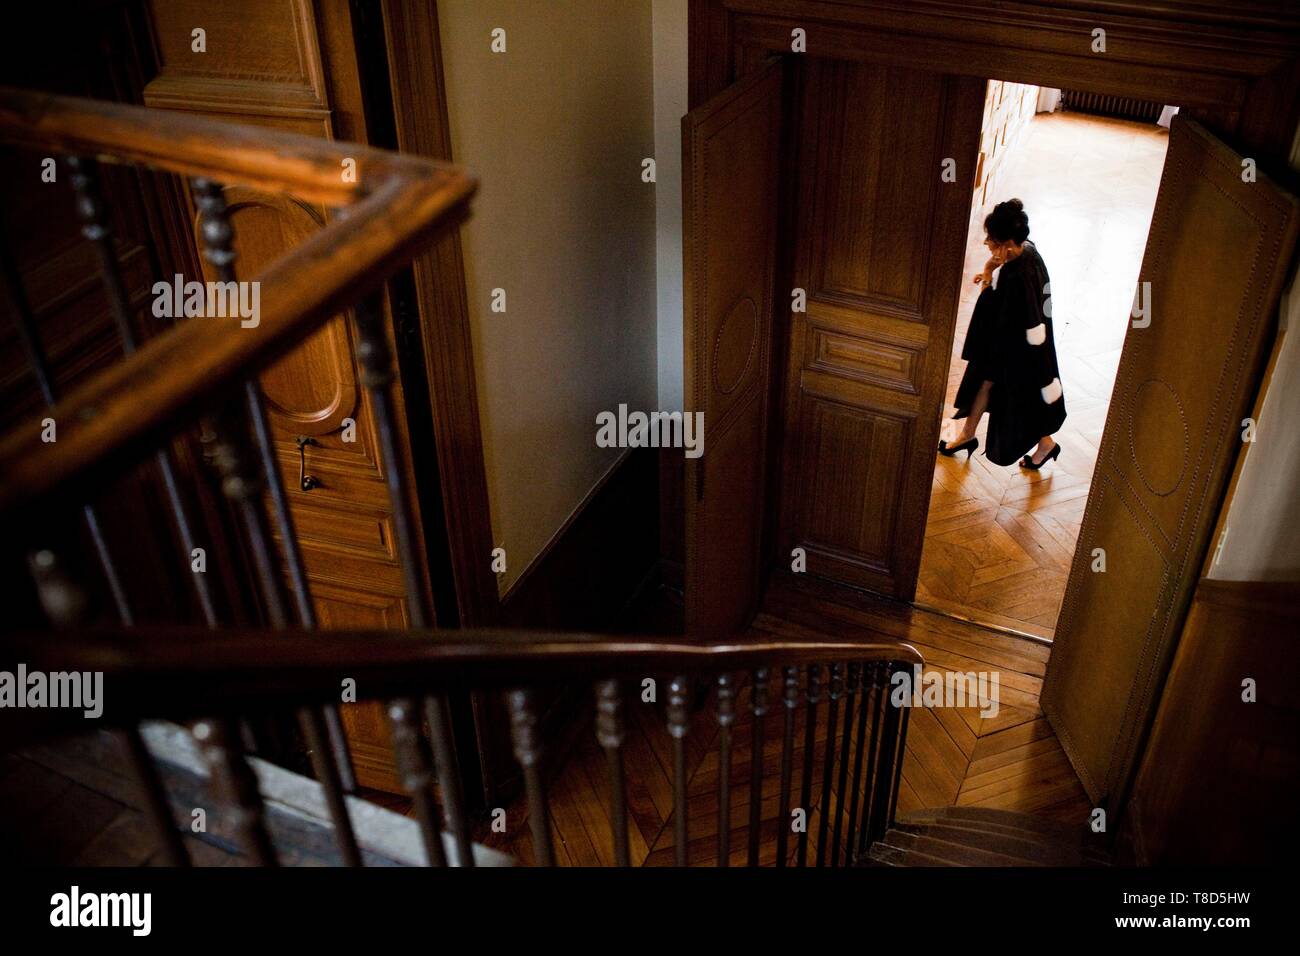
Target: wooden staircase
x=801 y=725
x=980 y=836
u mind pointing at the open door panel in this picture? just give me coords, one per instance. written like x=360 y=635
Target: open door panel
x=1216 y=260
x=880 y=236
x=731 y=148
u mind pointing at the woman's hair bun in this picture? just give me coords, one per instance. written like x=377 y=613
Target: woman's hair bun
x=1008 y=221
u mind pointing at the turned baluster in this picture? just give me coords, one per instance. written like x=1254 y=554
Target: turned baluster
x=610 y=733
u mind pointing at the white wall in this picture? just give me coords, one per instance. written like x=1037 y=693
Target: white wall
x=1261 y=542
x=670 y=106
x=556 y=129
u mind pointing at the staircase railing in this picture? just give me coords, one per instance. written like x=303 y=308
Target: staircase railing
x=217 y=675
x=395 y=205
x=830 y=759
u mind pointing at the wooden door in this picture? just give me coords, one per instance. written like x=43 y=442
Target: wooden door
x=1216 y=259
x=880 y=241
x=266 y=64
x=343 y=516
x=731 y=170
x=102 y=53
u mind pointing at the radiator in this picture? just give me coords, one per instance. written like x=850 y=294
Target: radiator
x=1103 y=104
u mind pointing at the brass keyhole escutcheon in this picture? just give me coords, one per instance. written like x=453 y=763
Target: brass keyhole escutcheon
x=305 y=481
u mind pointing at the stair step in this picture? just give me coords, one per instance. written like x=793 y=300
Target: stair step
x=1007 y=820
x=1030 y=849
x=958 y=854
x=1077 y=841
x=982 y=836
x=882 y=855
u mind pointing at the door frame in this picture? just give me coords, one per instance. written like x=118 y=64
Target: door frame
x=431 y=309
x=1238 y=76
x=1239 y=80
x=417 y=88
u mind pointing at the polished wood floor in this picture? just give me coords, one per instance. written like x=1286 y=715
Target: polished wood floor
x=954 y=756
x=999 y=541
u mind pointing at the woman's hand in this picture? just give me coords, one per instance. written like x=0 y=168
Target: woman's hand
x=986 y=277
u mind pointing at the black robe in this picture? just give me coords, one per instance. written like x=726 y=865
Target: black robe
x=1010 y=343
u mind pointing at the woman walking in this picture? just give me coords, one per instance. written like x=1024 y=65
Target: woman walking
x=1010 y=351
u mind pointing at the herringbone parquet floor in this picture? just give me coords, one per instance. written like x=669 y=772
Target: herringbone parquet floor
x=999 y=541
x=1010 y=760
x=954 y=755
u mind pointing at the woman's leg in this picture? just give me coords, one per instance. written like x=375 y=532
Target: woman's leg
x=978 y=406
x=1045 y=446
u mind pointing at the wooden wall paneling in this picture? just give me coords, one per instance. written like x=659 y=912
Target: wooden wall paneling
x=106 y=53
x=1221 y=775
x=261 y=60
x=879 y=253
x=564 y=589
x=709 y=49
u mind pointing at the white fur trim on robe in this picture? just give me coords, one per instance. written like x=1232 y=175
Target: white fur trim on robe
x=1051 y=392
x=1037 y=335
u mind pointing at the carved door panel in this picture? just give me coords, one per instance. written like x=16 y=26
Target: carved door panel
x=1217 y=256
x=731 y=152
x=880 y=238
x=275 y=76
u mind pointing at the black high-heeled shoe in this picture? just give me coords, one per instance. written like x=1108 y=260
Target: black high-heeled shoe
x=1028 y=460
x=968 y=446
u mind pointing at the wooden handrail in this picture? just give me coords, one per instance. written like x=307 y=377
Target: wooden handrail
x=181 y=672
x=271 y=160
x=397 y=204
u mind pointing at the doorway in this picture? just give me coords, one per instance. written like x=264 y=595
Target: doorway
x=999 y=541
x=867 y=365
